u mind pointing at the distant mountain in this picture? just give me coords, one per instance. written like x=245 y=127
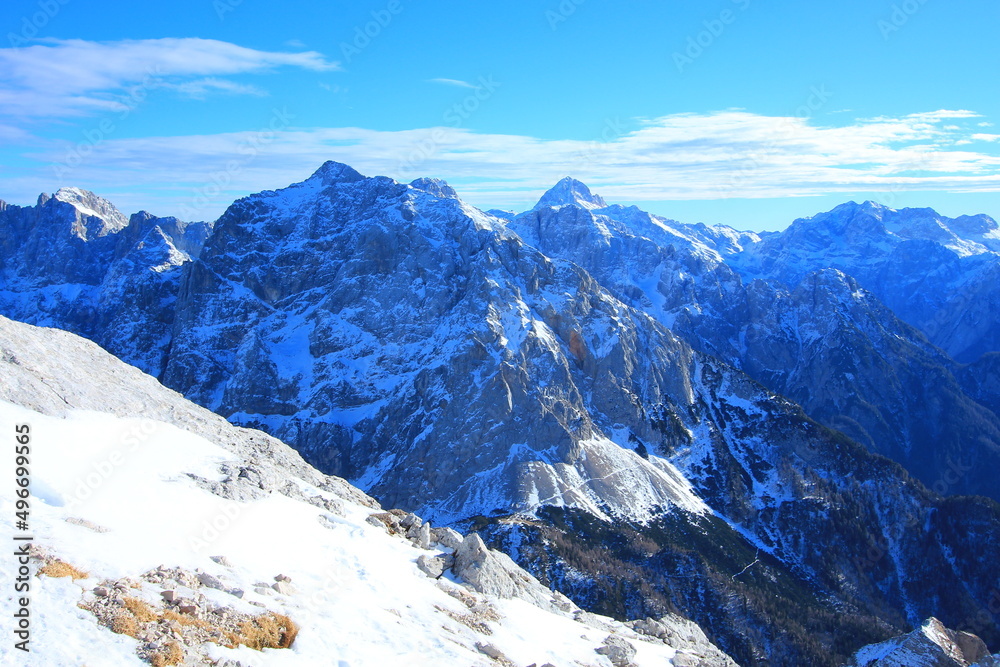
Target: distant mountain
x=823 y=341
x=593 y=388
x=939 y=274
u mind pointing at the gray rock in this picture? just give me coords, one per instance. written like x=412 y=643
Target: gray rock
x=494 y=573
x=619 y=651
x=435 y=566
x=170 y=596
x=490 y=650
x=284 y=588
x=221 y=560
x=446 y=537
x=209 y=581
x=420 y=535
x=931 y=645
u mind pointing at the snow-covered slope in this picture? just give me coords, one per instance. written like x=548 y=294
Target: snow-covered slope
x=144 y=492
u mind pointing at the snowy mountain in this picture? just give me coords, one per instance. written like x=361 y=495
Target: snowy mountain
x=593 y=388
x=937 y=273
x=176 y=534
x=825 y=342
x=75 y=262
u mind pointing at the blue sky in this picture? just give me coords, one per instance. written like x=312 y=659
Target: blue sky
x=742 y=112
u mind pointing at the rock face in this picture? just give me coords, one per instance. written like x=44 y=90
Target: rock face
x=496 y=574
x=75 y=262
x=816 y=336
x=180 y=614
x=932 y=645
x=534 y=373
x=937 y=273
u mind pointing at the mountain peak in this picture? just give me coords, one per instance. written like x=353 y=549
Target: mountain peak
x=435 y=186
x=89 y=204
x=336 y=172
x=570 y=191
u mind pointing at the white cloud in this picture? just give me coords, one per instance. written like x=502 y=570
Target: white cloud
x=681 y=156
x=75 y=77
x=452 y=82
x=986 y=137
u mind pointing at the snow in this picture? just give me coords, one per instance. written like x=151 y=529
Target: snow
x=360 y=601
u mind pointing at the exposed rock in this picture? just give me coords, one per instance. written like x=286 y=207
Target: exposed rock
x=619 y=651
x=86 y=524
x=931 y=645
x=490 y=650
x=494 y=573
x=210 y=581
x=420 y=535
x=435 y=566
x=283 y=587
x=446 y=537
x=687 y=637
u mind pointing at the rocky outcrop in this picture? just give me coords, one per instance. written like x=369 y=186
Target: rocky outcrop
x=931 y=645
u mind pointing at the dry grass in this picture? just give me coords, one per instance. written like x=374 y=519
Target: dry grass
x=58 y=568
x=142 y=611
x=268 y=631
x=171 y=654
x=124 y=623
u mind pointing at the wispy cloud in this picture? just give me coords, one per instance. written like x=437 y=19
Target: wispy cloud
x=76 y=77
x=452 y=82
x=681 y=156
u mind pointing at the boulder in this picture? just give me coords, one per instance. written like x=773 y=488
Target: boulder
x=494 y=573
x=619 y=651
x=446 y=537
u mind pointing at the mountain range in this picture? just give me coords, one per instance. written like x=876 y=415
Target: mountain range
x=790 y=438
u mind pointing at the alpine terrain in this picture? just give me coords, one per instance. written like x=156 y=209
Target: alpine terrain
x=790 y=439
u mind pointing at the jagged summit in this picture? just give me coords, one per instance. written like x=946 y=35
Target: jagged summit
x=332 y=172
x=90 y=205
x=435 y=186
x=570 y=191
